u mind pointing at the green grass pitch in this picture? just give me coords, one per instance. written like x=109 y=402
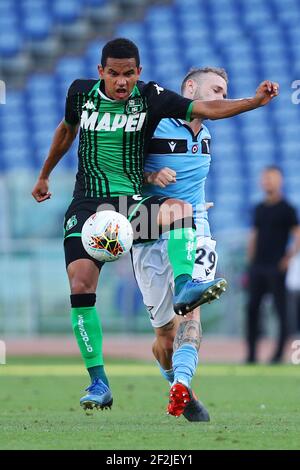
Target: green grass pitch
x=251 y=407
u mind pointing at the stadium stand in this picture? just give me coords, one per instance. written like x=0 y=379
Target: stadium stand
x=252 y=41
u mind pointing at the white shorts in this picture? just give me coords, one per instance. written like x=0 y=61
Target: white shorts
x=154 y=275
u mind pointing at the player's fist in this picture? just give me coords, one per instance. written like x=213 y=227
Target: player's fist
x=266 y=91
x=41 y=190
x=162 y=178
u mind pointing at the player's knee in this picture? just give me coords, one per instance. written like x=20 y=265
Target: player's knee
x=174 y=210
x=81 y=286
x=182 y=210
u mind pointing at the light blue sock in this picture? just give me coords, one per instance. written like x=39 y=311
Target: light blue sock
x=185 y=360
x=167 y=374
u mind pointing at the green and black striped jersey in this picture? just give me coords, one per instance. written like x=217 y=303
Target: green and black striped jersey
x=114 y=135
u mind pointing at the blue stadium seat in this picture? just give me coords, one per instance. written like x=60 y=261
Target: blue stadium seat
x=66 y=12
x=251 y=40
x=95 y=3
x=41 y=83
x=160 y=15
x=134 y=31
x=222 y=218
x=15 y=153
x=37 y=27
x=10 y=43
x=289 y=15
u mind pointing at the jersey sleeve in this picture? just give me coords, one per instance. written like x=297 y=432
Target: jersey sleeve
x=168 y=104
x=292 y=217
x=71 y=109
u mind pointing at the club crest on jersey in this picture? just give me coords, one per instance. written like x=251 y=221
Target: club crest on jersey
x=72 y=221
x=195 y=148
x=134 y=106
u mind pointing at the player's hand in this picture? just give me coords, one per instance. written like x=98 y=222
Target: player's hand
x=284 y=263
x=41 y=190
x=266 y=91
x=208 y=205
x=162 y=178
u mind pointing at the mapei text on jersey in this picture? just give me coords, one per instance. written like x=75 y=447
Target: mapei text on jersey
x=112 y=122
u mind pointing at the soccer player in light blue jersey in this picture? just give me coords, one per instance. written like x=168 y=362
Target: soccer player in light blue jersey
x=177 y=166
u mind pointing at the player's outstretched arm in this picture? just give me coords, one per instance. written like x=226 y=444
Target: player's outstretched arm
x=219 y=109
x=62 y=141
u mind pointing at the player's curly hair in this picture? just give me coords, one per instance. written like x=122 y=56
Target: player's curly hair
x=195 y=72
x=120 y=48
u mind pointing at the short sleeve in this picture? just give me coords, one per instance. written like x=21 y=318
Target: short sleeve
x=168 y=104
x=71 y=112
x=292 y=217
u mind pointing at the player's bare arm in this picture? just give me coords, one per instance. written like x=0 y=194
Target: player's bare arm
x=161 y=178
x=62 y=141
x=251 y=248
x=219 y=109
x=293 y=249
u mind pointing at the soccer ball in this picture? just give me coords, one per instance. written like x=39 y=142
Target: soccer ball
x=107 y=236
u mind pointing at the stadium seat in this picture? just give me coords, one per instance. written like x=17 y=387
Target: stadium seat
x=66 y=12
x=10 y=43
x=251 y=40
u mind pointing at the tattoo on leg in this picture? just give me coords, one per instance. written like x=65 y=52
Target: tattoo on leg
x=189 y=332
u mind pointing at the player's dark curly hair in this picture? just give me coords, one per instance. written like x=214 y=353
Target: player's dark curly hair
x=120 y=48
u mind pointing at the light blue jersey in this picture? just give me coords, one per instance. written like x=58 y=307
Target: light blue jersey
x=175 y=146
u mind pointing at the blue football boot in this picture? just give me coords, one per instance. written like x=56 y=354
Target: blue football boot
x=99 y=396
x=196 y=292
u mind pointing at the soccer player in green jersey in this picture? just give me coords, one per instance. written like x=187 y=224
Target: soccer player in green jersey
x=117 y=115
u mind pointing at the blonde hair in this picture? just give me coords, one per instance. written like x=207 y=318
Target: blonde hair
x=195 y=72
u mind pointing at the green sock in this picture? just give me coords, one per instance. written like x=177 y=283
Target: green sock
x=182 y=251
x=88 y=332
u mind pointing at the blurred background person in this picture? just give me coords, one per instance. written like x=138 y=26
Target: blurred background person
x=293 y=288
x=44 y=46
x=269 y=254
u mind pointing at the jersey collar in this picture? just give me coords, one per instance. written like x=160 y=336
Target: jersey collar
x=177 y=122
x=182 y=123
